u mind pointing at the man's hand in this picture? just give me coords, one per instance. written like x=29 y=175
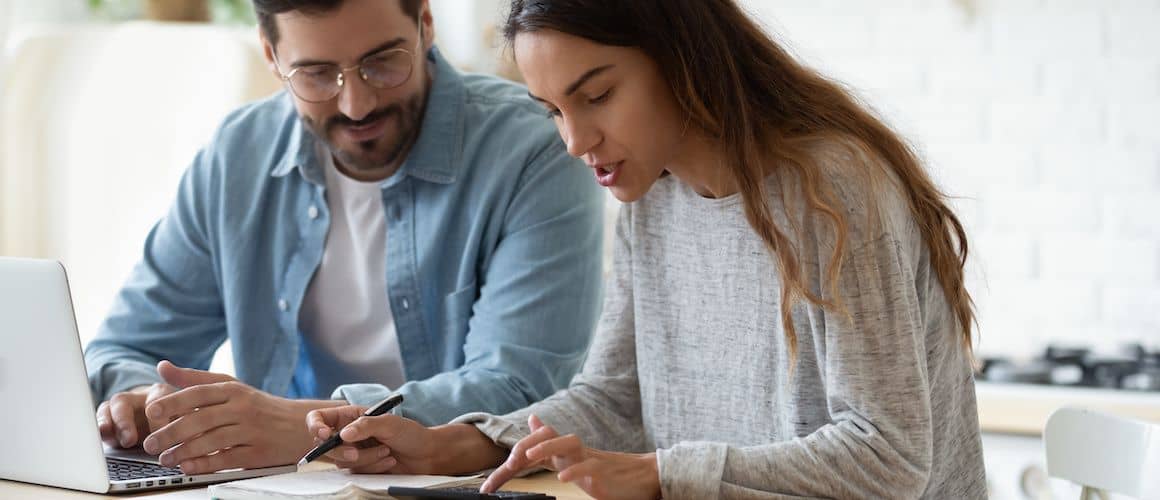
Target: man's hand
x=389 y=443
x=602 y=474
x=216 y=422
x=122 y=420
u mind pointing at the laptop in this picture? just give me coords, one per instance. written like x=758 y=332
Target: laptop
x=49 y=427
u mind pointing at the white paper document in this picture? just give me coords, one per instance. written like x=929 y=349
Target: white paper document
x=331 y=484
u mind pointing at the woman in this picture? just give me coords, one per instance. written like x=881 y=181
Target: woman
x=787 y=316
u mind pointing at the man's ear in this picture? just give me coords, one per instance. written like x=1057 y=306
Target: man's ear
x=268 y=53
x=428 y=21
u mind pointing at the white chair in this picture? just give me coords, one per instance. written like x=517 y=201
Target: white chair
x=1103 y=453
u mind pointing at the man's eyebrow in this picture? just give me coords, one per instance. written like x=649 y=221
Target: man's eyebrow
x=381 y=47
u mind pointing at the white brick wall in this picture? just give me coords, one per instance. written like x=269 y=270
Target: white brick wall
x=1043 y=117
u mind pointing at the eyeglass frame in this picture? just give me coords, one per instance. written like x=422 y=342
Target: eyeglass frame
x=341 y=76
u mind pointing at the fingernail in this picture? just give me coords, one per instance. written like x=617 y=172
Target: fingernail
x=384 y=452
x=350 y=455
x=153 y=411
x=390 y=462
x=166 y=459
x=324 y=433
x=150 y=446
x=124 y=436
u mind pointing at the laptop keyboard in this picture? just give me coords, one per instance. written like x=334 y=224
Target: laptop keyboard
x=123 y=470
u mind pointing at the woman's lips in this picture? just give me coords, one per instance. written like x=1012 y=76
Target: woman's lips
x=608 y=173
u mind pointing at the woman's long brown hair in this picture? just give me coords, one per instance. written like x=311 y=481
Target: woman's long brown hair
x=744 y=90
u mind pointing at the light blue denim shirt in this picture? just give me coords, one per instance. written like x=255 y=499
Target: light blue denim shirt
x=493 y=258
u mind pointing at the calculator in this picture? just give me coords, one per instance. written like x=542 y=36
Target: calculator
x=405 y=493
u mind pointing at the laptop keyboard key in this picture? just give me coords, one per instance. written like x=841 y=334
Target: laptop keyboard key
x=121 y=470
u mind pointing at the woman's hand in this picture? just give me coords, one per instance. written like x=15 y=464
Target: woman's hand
x=375 y=445
x=602 y=474
x=397 y=445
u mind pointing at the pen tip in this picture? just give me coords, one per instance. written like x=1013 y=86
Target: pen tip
x=302 y=462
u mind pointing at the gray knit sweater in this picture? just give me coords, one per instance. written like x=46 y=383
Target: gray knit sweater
x=690 y=357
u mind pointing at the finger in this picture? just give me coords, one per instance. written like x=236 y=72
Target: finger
x=534 y=422
x=500 y=476
x=189 y=426
x=568 y=447
x=343 y=455
x=350 y=457
x=590 y=468
x=157 y=391
x=105 y=424
x=318 y=425
x=385 y=428
x=322 y=422
x=185 y=401
x=590 y=475
x=245 y=457
x=189 y=377
x=123 y=412
x=213 y=440
x=517 y=460
x=382 y=466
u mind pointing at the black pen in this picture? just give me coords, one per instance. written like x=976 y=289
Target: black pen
x=334 y=440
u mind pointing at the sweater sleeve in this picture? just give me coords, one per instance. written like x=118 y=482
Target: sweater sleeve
x=602 y=403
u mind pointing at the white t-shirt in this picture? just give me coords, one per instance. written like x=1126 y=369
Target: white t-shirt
x=346 y=316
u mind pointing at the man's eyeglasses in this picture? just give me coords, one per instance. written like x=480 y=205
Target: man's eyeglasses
x=385 y=69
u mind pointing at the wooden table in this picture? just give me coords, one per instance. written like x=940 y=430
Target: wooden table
x=544 y=482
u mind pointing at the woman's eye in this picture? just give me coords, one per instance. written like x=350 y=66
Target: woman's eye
x=600 y=98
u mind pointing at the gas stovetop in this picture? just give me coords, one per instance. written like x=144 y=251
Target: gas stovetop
x=1131 y=367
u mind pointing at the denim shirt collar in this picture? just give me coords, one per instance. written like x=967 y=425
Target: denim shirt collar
x=435 y=155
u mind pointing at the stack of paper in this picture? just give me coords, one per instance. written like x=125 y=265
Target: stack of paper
x=331 y=485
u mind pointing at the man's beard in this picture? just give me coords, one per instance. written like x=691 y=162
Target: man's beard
x=383 y=151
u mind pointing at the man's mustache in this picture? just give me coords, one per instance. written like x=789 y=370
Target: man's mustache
x=376 y=115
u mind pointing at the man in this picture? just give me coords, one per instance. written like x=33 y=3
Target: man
x=385 y=221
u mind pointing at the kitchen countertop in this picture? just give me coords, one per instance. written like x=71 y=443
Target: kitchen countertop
x=1024 y=408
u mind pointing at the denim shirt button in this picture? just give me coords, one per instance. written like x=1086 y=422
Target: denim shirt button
x=406 y=305
x=283 y=305
x=312 y=212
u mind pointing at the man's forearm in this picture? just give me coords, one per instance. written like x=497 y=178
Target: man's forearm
x=305 y=405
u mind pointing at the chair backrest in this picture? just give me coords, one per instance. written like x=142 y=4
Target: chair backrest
x=97 y=124
x=1103 y=452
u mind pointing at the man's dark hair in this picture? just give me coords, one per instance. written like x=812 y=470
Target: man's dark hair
x=267 y=9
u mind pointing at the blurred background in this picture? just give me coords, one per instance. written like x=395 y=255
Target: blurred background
x=1038 y=116
x=103 y=104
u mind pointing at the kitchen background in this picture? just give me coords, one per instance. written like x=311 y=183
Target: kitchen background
x=1038 y=116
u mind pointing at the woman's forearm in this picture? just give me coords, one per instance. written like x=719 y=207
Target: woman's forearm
x=467 y=450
